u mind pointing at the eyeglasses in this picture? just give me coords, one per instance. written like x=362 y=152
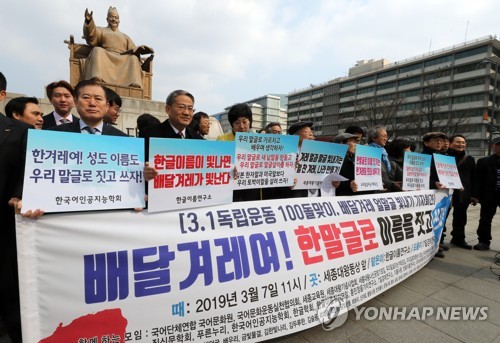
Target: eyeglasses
x=182 y=107
x=437 y=140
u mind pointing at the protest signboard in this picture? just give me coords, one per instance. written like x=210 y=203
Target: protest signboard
x=367 y=168
x=316 y=161
x=446 y=168
x=191 y=173
x=74 y=172
x=265 y=160
x=416 y=171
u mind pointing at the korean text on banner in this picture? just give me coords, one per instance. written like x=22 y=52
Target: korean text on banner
x=265 y=160
x=367 y=168
x=240 y=272
x=74 y=172
x=316 y=161
x=446 y=168
x=191 y=173
x=416 y=171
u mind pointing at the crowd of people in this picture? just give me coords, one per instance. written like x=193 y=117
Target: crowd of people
x=98 y=109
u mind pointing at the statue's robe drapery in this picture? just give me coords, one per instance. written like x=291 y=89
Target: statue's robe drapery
x=105 y=61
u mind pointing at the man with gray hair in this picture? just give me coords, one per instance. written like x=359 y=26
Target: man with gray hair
x=377 y=138
x=180 y=109
x=273 y=128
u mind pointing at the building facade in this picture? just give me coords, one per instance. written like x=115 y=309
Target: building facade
x=265 y=109
x=453 y=90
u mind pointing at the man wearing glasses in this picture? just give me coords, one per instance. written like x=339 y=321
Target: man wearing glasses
x=180 y=111
x=433 y=144
x=273 y=128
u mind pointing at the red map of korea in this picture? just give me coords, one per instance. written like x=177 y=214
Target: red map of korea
x=104 y=323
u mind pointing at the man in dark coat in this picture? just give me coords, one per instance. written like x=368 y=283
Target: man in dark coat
x=487 y=192
x=13 y=134
x=433 y=144
x=466 y=166
x=60 y=93
x=92 y=105
x=180 y=109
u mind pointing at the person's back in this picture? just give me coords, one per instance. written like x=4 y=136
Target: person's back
x=13 y=136
x=145 y=120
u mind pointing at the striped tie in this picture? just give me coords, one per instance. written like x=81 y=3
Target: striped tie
x=90 y=130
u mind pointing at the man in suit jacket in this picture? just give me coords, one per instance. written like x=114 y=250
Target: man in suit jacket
x=13 y=135
x=487 y=192
x=92 y=105
x=60 y=94
x=180 y=111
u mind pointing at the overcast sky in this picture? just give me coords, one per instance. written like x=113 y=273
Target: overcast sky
x=227 y=51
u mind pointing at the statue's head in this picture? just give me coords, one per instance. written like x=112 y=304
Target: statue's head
x=113 y=18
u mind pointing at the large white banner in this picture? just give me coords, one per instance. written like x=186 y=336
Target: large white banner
x=240 y=272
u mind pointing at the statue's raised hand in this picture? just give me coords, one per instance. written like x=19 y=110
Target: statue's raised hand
x=88 y=15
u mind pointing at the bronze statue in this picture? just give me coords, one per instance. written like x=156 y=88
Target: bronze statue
x=114 y=58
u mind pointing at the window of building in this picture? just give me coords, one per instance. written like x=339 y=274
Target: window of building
x=437 y=74
x=476 y=143
x=410 y=80
x=469 y=67
x=415 y=92
x=366 y=79
x=366 y=90
x=348 y=94
x=471 y=52
x=473 y=112
x=388 y=97
x=387 y=73
x=434 y=89
x=468 y=83
x=439 y=60
x=410 y=106
x=387 y=85
x=468 y=98
x=348 y=84
x=407 y=69
x=496 y=52
x=347 y=104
